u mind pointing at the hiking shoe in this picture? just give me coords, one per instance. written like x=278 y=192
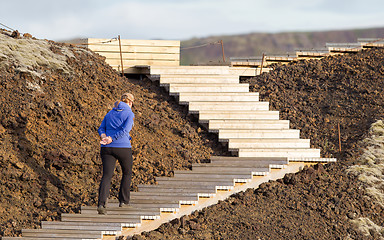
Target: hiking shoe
x=101 y=209
x=125 y=205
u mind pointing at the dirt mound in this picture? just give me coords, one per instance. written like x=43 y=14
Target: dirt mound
x=53 y=98
x=320 y=202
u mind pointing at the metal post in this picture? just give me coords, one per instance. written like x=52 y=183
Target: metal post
x=121 y=59
x=222 y=48
x=262 y=63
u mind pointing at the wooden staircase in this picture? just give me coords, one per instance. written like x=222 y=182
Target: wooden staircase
x=263 y=147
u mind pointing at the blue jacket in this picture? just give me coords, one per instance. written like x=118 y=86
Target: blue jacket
x=117 y=123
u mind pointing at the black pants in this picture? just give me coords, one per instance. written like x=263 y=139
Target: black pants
x=108 y=157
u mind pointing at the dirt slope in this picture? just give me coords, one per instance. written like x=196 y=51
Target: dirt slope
x=53 y=98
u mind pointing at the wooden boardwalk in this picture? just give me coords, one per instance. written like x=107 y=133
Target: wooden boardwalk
x=263 y=63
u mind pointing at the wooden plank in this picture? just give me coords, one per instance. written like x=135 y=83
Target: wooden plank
x=134 y=62
x=141 y=193
x=136 y=52
x=129 y=63
x=141 y=56
x=131 y=70
x=81 y=225
x=128 y=49
x=180 y=189
x=133 y=42
x=51 y=233
x=102 y=218
x=50 y=238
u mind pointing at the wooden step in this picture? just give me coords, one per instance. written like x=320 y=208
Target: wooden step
x=312 y=159
x=219 y=183
x=164 y=206
x=195 y=107
x=181 y=198
x=236 y=176
x=149 y=213
x=256 y=159
x=47 y=238
x=179 y=187
x=209 y=191
x=283 y=152
x=165 y=197
x=225 y=134
x=237 y=143
x=235 y=172
x=243 y=71
x=219 y=168
x=176 y=88
x=206 y=116
x=185 y=98
x=245 y=163
x=145 y=214
x=172 y=194
x=197 y=78
x=108 y=218
x=59 y=233
x=215 y=125
x=189 y=70
x=110 y=228
x=195 y=178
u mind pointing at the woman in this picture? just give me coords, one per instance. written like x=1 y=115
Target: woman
x=116 y=144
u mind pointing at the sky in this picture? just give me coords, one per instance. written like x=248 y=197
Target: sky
x=182 y=19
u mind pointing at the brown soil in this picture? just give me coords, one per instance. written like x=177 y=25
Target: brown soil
x=49 y=145
x=49 y=150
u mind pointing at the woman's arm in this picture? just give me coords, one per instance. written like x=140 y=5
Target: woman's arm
x=102 y=129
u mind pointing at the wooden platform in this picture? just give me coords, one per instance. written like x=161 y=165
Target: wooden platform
x=305 y=54
x=137 y=55
x=371 y=42
x=337 y=48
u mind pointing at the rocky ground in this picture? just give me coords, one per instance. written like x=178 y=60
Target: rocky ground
x=54 y=97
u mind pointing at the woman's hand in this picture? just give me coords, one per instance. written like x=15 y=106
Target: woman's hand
x=106 y=140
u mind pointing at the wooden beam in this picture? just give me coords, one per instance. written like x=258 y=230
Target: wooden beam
x=126 y=62
x=143 y=49
x=133 y=42
x=143 y=56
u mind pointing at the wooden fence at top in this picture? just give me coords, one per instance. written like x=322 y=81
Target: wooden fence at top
x=135 y=53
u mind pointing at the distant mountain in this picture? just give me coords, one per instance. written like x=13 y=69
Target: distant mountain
x=200 y=50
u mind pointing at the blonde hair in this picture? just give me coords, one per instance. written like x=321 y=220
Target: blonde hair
x=126 y=97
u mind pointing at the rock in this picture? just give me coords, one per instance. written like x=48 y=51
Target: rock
x=27 y=35
x=289 y=178
x=194 y=225
x=15 y=34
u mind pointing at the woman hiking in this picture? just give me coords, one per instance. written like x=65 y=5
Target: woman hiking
x=116 y=145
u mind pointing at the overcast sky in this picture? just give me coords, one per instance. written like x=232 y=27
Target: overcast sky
x=182 y=19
